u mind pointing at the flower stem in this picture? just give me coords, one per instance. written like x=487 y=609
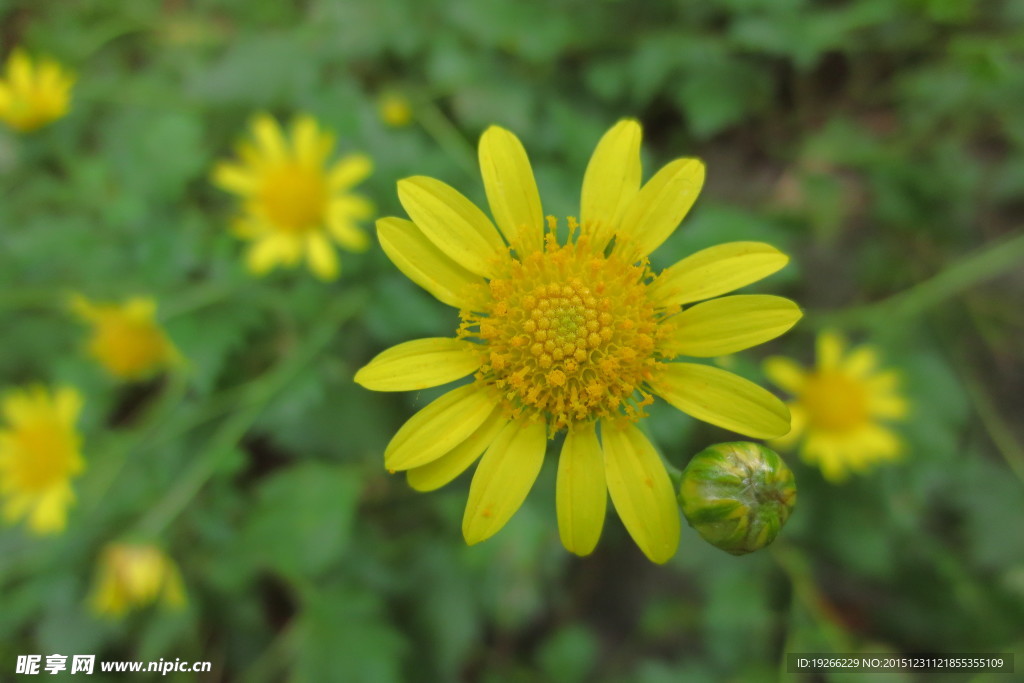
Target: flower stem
x=198 y=298
x=224 y=442
x=984 y=264
x=998 y=430
x=446 y=134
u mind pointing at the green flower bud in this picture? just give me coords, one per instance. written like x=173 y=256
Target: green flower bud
x=737 y=495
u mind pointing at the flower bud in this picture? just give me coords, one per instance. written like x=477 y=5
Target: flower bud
x=737 y=495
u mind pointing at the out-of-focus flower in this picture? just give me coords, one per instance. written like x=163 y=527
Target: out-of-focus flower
x=39 y=455
x=577 y=335
x=135 y=575
x=293 y=201
x=33 y=94
x=126 y=339
x=840 y=407
x=737 y=495
x=394 y=109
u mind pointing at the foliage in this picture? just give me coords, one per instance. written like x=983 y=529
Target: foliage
x=879 y=142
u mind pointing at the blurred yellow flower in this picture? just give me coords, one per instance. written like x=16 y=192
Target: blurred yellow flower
x=575 y=335
x=839 y=407
x=126 y=339
x=394 y=109
x=293 y=201
x=135 y=575
x=33 y=95
x=39 y=455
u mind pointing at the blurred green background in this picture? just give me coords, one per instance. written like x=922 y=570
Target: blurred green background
x=879 y=142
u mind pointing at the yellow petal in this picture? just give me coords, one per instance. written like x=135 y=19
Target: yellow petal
x=420 y=364
x=141 y=309
x=830 y=347
x=641 y=490
x=453 y=223
x=269 y=137
x=352 y=206
x=861 y=361
x=660 y=206
x=83 y=308
x=723 y=399
x=310 y=146
x=511 y=190
x=715 y=271
x=785 y=373
x=271 y=251
x=349 y=171
x=68 y=404
x=733 y=323
x=827 y=454
x=438 y=427
x=49 y=514
x=887 y=406
x=439 y=472
x=612 y=180
x=581 y=495
x=348 y=234
x=341 y=216
x=798 y=424
x=248 y=228
x=323 y=260
x=879 y=442
x=428 y=266
x=234 y=178
x=503 y=478
x=19 y=408
x=20 y=71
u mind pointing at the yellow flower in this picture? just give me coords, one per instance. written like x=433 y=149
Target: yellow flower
x=839 y=407
x=33 y=95
x=394 y=110
x=126 y=339
x=575 y=334
x=293 y=201
x=39 y=454
x=132 y=575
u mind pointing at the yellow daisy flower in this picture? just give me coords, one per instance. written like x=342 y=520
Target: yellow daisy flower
x=132 y=575
x=575 y=335
x=394 y=110
x=294 y=202
x=839 y=407
x=33 y=95
x=39 y=454
x=126 y=339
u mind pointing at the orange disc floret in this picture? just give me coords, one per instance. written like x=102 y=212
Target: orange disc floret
x=571 y=334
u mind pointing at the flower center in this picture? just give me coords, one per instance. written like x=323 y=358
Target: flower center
x=128 y=347
x=570 y=336
x=293 y=197
x=834 y=402
x=45 y=456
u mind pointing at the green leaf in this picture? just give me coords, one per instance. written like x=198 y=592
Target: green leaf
x=343 y=634
x=302 y=519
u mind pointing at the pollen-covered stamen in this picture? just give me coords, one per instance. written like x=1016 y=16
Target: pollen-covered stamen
x=835 y=402
x=571 y=335
x=294 y=196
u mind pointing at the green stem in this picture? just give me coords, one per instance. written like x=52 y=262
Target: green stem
x=155 y=418
x=999 y=431
x=32 y=298
x=446 y=134
x=797 y=567
x=226 y=439
x=272 y=662
x=984 y=264
x=198 y=298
